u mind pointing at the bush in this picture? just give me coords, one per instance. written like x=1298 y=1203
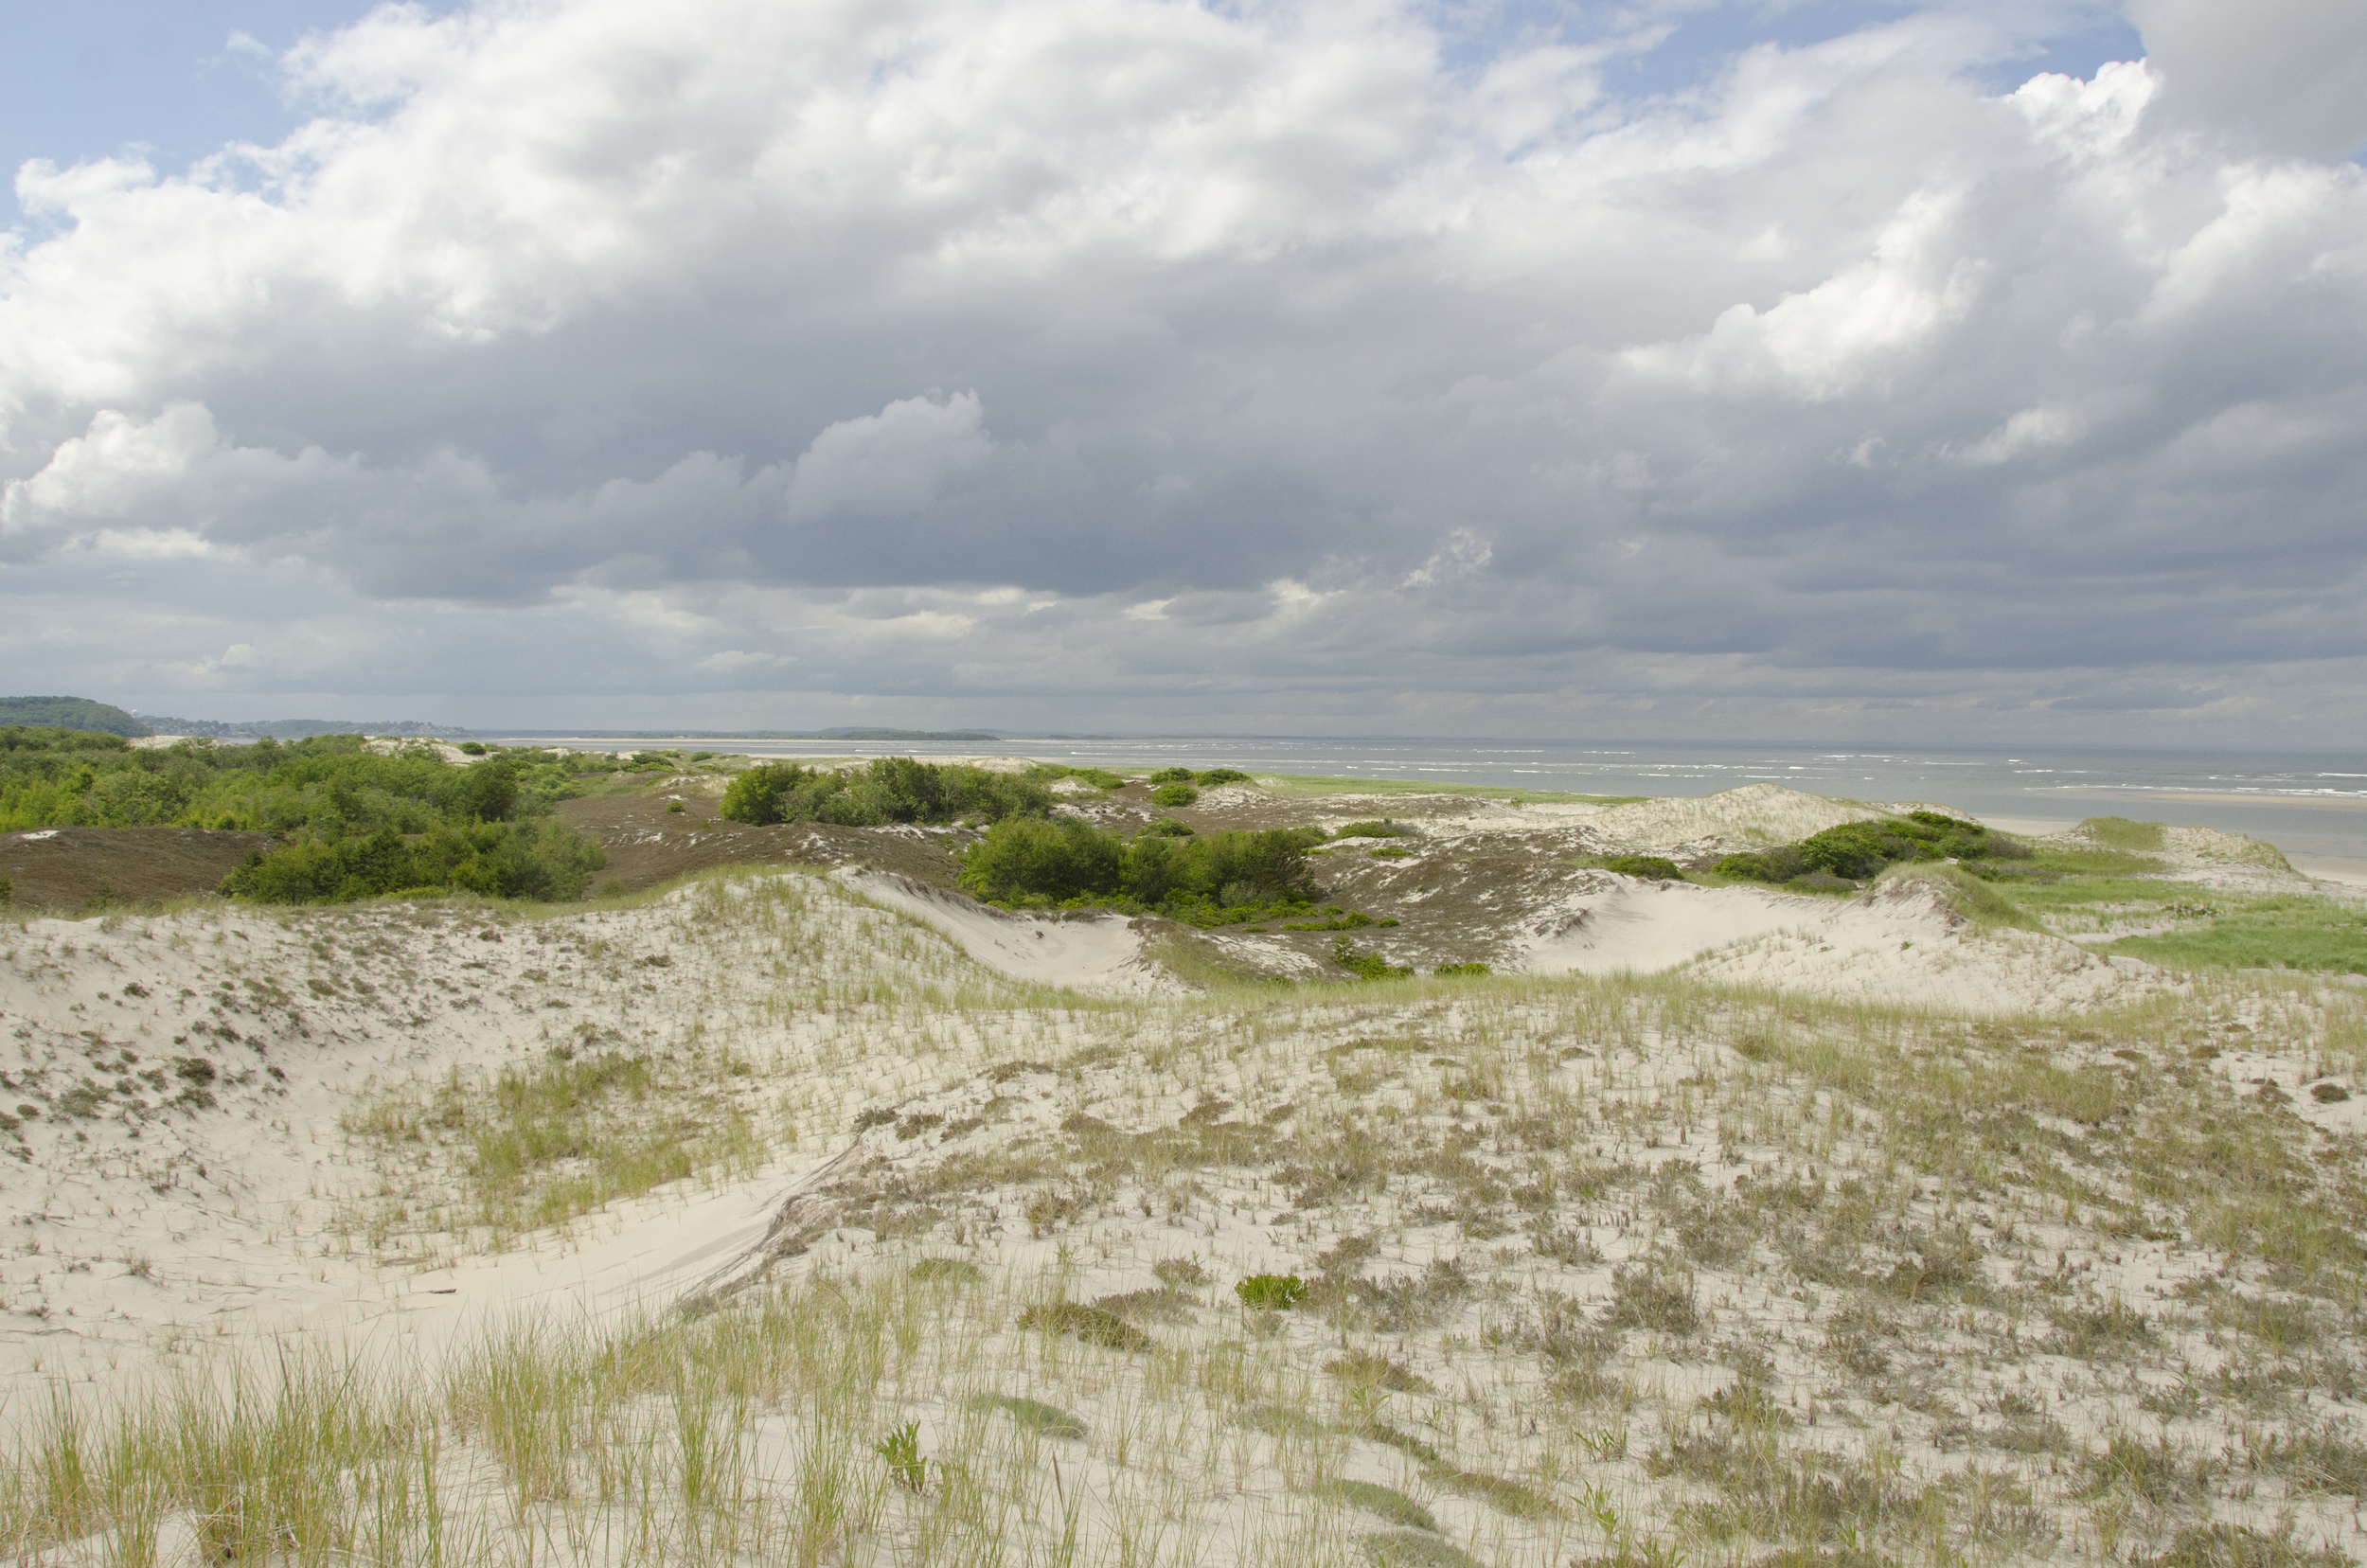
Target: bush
x=1231 y=869
x=472 y=748
x=1174 y=794
x=1164 y=828
x=754 y=797
x=1856 y=850
x=1451 y=971
x=496 y=859
x=1211 y=777
x=1658 y=868
x=1024 y=857
x=1022 y=860
x=888 y=788
x=1172 y=775
x=1370 y=830
x=1367 y=966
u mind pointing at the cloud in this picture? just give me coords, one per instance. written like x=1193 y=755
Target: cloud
x=2280 y=76
x=890 y=464
x=1139 y=362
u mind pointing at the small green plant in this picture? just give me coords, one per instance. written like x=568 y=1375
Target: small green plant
x=1177 y=1273
x=1174 y=794
x=945 y=1271
x=673 y=805
x=1092 y=1325
x=1383 y=830
x=1654 y=1294
x=473 y=748
x=1449 y=972
x=1211 y=777
x=1410 y=1549
x=1270 y=1293
x=1386 y=1501
x=1050 y=1420
x=1655 y=867
x=902 y=1450
x=1367 y=966
x=1364 y=1367
x=1171 y=776
x=1166 y=828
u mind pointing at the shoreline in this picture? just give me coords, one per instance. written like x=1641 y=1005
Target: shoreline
x=2210 y=797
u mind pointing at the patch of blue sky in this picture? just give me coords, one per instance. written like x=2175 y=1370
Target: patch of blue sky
x=1663 y=48
x=170 y=80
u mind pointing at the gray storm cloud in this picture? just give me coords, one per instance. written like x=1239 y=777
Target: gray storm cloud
x=1153 y=365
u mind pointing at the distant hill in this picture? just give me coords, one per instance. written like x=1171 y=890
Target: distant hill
x=290 y=729
x=78 y=713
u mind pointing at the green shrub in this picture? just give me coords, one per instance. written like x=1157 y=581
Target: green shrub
x=1211 y=777
x=545 y=861
x=1353 y=919
x=1024 y=858
x=1205 y=878
x=1658 y=868
x=1451 y=971
x=7 y=890
x=472 y=748
x=326 y=787
x=887 y=789
x=1174 y=794
x=1370 y=830
x=333 y=804
x=1228 y=868
x=1270 y=1293
x=1366 y=966
x=1172 y=775
x=1856 y=850
x=1166 y=828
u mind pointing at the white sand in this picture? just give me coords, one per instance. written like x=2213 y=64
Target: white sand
x=1092 y=951
x=1901 y=942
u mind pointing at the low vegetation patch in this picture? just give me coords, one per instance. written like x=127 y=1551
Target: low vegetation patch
x=1856 y=850
x=1200 y=879
x=1658 y=868
x=1092 y=1325
x=886 y=790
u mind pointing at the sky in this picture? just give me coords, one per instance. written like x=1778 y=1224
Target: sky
x=1956 y=373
